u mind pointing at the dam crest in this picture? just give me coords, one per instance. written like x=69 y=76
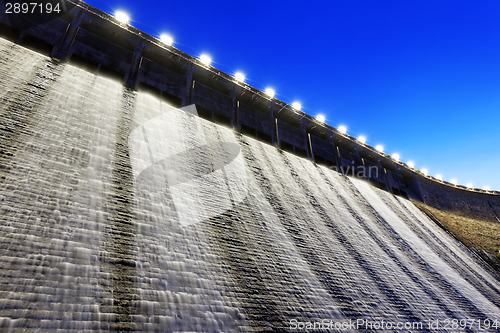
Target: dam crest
x=141 y=191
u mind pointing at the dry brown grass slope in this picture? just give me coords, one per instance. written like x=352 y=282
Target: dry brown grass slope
x=482 y=235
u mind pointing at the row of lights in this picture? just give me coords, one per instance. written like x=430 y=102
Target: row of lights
x=380 y=148
x=205 y=59
x=123 y=18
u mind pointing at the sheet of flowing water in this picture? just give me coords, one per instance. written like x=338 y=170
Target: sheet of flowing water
x=121 y=212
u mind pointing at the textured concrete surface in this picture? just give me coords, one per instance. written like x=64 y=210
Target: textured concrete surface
x=93 y=40
x=87 y=244
x=470 y=204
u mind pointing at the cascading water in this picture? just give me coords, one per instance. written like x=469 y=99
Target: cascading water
x=120 y=212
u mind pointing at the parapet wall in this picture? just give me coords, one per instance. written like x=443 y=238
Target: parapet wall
x=95 y=41
x=467 y=203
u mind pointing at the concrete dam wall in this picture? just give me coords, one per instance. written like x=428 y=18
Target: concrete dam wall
x=120 y=211
x=96 y=41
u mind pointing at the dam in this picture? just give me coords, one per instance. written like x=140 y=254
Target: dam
x=138 y=195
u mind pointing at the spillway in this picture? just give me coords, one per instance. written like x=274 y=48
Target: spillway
x=121 y=212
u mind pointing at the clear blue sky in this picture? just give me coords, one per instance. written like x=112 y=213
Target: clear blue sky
x=420 y=77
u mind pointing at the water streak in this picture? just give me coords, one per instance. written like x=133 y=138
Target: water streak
x=120 y=212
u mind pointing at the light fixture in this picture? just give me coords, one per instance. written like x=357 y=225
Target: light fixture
x=469 y=185
x=297 y=106
x=425 y=171
x=411 y=164
x=342 y=129
x=454 y=181
x=205 y=59
x=270 y=92
x=439 y=177
x=395 y=156
x=380 y=148
x=321 y=118
x=166 y=39
x=122 y=17
x=362 y=139
x=240 y=77
x=486 y=188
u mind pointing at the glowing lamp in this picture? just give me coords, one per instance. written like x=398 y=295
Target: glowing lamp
x=379 y=148
x=425 y=171
x=205 y=59
x=167 y=39
x=411 y=164
x=395 y=156
x=362 y=139
x=240 y=77
x=321 y=118
x=297 y=106
x=122 y=17
x=270 y=92
x=486 y=188
x=342 y=129
x=454 y=181
x=469 y=185
x=439 y=177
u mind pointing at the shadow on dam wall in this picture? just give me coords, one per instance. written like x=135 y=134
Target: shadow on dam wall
x=122 y=212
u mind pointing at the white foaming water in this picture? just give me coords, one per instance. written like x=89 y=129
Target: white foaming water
x=171 y=151
x=121 y=212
